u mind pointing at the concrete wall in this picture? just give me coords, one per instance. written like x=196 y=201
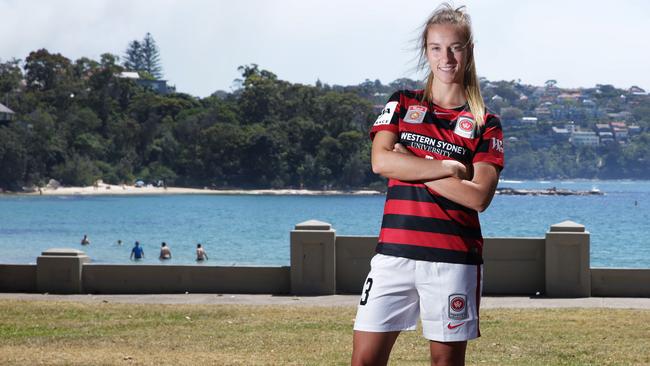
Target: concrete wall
x=151 y=279
x=17 y=278
x=556 y=265
x=353 y=255
x=513 y=266
x=612 y=282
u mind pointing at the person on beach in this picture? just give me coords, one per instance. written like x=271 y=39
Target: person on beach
x=442 y=153
x=137 y=252
x=200 y=253
x=119 y=242
x=165 y=253
x=85 y=240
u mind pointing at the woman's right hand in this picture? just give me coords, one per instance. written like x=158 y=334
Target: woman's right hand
x=458 y=169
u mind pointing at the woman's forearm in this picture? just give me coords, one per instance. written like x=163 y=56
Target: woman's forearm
x=475 y=194
x=405 y=167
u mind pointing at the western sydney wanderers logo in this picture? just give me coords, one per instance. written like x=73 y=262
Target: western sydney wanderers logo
x=458 y=306
x=415 y=114
x=465 y=127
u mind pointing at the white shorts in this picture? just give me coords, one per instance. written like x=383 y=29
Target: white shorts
x=398 y=290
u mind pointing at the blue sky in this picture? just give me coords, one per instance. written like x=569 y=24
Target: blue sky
x=578 y=43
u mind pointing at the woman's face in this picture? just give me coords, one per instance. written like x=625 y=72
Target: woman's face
x=447 y=52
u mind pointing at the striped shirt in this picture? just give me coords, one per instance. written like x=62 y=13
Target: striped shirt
x=419 y=223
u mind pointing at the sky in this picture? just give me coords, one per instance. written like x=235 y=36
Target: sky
x=579 y=43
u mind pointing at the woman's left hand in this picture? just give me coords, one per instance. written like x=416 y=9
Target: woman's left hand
x=467 y=173
x=399 y=148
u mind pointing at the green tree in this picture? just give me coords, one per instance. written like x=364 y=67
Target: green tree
x=133 y=57
x=13 y=158
x=151 y=57
x=46 y=146
x=144 y=57
x=10 y=76
x=45 y=71
x=77 y=171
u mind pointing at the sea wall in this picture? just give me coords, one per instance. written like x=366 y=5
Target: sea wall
x=556 y=265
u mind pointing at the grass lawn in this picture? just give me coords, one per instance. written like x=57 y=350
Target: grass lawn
x=66 y=333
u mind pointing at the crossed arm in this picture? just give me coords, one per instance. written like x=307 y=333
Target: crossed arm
x=448 y=178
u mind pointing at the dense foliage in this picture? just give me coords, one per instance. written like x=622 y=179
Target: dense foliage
x=79 y=121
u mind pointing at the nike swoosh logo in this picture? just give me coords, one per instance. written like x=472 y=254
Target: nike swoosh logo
x=449 y=326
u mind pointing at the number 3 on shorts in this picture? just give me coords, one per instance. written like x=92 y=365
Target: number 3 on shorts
x=366 y=293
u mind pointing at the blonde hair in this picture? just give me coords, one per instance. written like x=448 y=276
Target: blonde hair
x=446 y=14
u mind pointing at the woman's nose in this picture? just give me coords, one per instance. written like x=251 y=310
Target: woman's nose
x=447 y=55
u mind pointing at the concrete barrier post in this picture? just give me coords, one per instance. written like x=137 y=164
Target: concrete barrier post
x=313 y=259
x=59 y=270
x=567 y=261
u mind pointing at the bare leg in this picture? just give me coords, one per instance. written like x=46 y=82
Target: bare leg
x=372 y=348
x=447 y=353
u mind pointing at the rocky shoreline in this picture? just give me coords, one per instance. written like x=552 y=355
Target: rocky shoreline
x=548 y=192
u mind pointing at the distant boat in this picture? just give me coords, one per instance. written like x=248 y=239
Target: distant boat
x=595 y=190
x=510 y=181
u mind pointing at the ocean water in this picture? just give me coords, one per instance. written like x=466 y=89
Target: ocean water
x=254 y=230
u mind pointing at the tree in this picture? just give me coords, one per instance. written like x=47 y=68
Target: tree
x=511 y=114
x=13 y=158
x=144 y=57
x=151 y=57
x=10 y=75
x=133 y=58
x=260 y=99
x=44 y=70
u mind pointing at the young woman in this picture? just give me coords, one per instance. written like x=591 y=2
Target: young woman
x=442 y=153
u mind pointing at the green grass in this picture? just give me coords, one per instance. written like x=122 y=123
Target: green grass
x=66 y=333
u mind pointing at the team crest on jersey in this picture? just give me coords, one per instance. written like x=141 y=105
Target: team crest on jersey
x=415 y=114
x=465 y=127
x=458 y=306
x=386 y=114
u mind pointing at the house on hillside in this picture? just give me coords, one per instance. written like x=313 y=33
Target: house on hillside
x=635 y=90
x=605 y=133
x=560 y=134
x=620 y=131
x=529 y=121
x=543 y=111
x=6 y=114
x=584 y=138
x=633 y=130
x=621 y=116
x=158 y=86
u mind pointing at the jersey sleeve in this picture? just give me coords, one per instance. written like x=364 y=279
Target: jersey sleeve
x=490 y=149
x=388 y=119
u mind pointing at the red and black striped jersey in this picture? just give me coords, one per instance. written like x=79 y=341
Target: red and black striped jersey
x=419 y=223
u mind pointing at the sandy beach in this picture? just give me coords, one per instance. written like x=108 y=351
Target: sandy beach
x=110 y=189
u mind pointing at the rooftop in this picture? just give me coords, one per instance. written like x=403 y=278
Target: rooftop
x=4 y=109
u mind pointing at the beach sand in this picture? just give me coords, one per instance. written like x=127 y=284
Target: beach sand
x=109 y=189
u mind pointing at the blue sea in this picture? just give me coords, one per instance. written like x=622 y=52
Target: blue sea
x=254 y=230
